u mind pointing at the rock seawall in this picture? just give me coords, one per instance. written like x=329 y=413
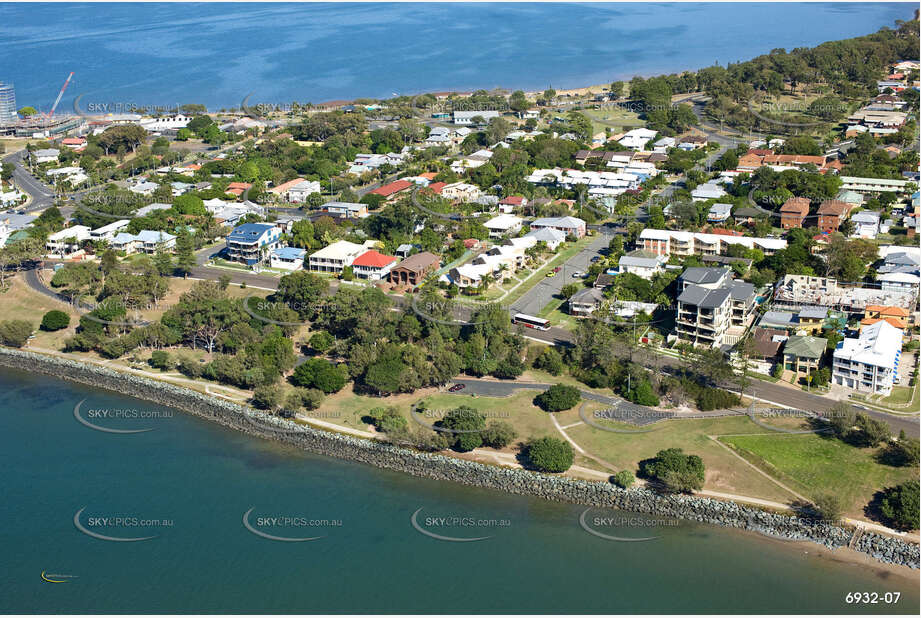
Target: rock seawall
x=690 y=508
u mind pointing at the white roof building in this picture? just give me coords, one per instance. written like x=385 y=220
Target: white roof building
x=335 y=257
x=637 y=138
x=503 y=225
x=869 y=363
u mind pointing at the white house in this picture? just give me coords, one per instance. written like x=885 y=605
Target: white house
x=287 y=258
x=719 y=213
x=67 y=243
x=637 y=138
x=373 y=265
x=645 y=267
x=866 y=224
x=869 y=363
x=571 y=226
x=503 y=225
x=348 y=210
x=45 y=155
x=146 y=241
x=552 y=237
x=299 y=193
x=108 y=232
x=461 y=191
x=335 y=257
x=707 y=191
x=144 y=188
x=466 y=118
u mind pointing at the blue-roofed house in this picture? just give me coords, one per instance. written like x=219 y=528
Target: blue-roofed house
x=287 y=258
x=251 y=243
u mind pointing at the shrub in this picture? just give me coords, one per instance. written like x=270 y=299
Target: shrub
x=319 y=373
x=15 y=333
x=829 y=507
x=624 y=479
x=642 y=394
x=321 y=341
x=550 y=361
x=558 y=397
x=777 y=371
x=899 y=505
x=55 y=320
x=387 y=419
x=191 y=367
x=499 y=434
x=711 y=398
x=677 y=471
x=267 y=397
x=550 y=454
x=160 y=360
x=903 y=452
x=312 y=398
x=466 y=425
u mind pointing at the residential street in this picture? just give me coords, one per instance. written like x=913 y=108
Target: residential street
x=535 y=299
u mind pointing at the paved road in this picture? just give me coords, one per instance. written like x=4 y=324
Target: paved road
x=42 y=195
x=535 y=299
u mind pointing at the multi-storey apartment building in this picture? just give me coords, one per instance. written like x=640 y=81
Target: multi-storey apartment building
x=870 y=362
x=713 y=309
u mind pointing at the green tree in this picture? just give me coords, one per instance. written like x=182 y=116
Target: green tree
x=15 y=333
x=550 y=361
x=899 y=505
x=499 y=434
x=185 y=252
x=319 y=373
x=675 y=470
x=624 y=479
x=550 y=454
x=55 y=320
x=558 y=397
x=466 y=425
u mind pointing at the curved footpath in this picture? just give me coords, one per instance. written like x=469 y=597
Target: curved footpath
x=886 y=549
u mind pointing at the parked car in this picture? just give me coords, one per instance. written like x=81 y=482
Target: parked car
x=457 y=387
x=552 y=273
x=577 y=274
x=557 y=269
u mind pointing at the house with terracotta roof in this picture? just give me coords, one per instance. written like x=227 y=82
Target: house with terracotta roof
x=832 y=214
x=373 y=265
x=793 y=212
x=897 y=316
x=508 y=204
x=391 y=192
x=237 y=188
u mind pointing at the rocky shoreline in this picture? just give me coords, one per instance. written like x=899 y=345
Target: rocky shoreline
x=885 y=549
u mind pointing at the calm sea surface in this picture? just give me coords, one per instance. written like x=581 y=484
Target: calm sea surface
x=150 y=55
x=188 y=483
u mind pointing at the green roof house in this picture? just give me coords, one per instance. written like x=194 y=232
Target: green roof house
x=803 y=354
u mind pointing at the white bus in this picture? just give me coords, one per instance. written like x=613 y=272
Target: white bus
x=531 y=322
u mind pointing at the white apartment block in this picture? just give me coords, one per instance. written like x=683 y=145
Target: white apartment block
x=335 y=257
x=869 y=363
x=674 y=242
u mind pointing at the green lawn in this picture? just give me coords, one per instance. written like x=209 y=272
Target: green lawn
x=518 y=410
x=724 y=471
x=617 y=119
x=816 y=465
x=901 y=395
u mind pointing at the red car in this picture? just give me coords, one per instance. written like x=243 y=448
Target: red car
x=557 y=269
x=457 y=387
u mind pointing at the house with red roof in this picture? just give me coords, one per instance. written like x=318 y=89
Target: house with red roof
x=508 y=204
x=391 y=191
x=373 y=265
x=237 y=188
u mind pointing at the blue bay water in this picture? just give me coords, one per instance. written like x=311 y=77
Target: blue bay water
x=157 y=55
x=201 y=479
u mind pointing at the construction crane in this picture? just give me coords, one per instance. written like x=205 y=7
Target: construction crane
x=60 y=94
